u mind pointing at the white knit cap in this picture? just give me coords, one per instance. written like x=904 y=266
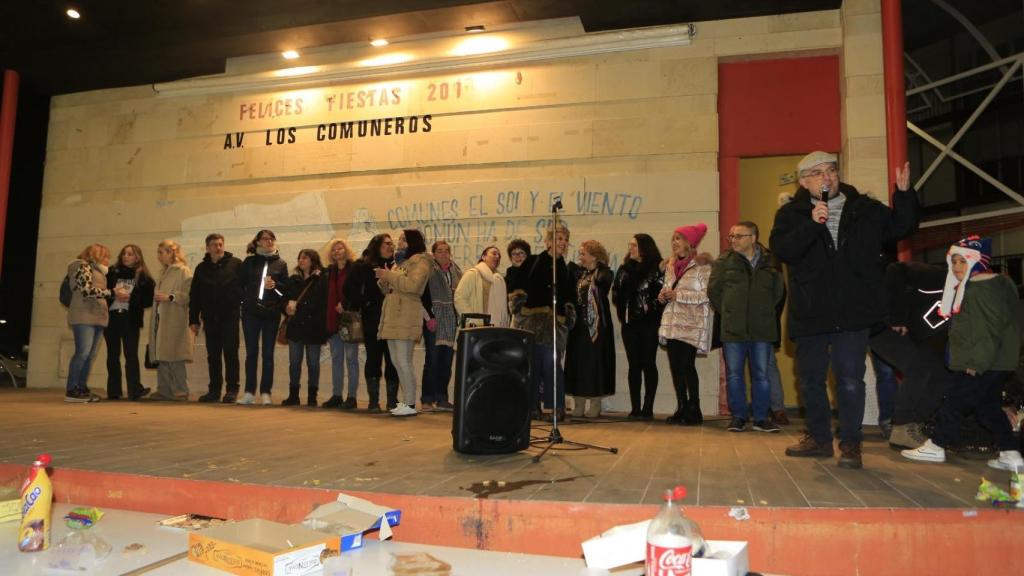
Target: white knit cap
x=813 y=159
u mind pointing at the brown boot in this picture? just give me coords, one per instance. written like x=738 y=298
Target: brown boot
x=780 y=417
x=808 y=447
x=849 y=455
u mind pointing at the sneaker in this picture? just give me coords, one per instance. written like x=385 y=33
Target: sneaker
x=209 y=398
x=766 y=426
x=77 y=397
x=808 y=447
x=927 y=452
x=850 y=456
x=136 y=396
x=907 y=436
x=113 y=398
x=1008 y=460
x=265 y=399
x=350 y=404
x=425 y=407
x=403 y=410
x=444 y=406
x=737 y=424
x=229 y=398
x=333 y=402
x=247 y=399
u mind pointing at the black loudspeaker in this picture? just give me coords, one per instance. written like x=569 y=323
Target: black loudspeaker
x=493 y=371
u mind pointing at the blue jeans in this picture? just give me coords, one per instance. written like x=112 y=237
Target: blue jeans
x=885 y=388
x=778 y=399
x=542 y=379
x=344 y=354
x=260 y=338
x=848 y=354
x=736 y=355
x=87 y=343
x=295 y=352
x=437 y=369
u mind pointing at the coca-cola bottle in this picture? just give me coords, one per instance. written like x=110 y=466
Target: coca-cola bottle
x=673 y=540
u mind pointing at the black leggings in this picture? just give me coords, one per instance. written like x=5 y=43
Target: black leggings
x=682 y=359
x=641 y=342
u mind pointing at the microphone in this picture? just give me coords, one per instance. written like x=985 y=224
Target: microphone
x=557 y=205
x=824 y=198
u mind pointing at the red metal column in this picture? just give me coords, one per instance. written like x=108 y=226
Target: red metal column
x=895 y=95
x=8 y=114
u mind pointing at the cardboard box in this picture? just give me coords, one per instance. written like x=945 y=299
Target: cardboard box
x=10 y=504
x=258 y=547
x=350 y=518
x=627 y=544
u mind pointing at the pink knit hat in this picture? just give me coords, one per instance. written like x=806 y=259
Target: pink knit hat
x=693 y=234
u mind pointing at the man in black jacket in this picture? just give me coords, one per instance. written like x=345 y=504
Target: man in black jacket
x=832 y=239
x=215 y=298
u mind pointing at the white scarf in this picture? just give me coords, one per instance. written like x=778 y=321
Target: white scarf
x=497 y=300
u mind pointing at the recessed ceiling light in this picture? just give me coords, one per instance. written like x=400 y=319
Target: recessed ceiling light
x=387 y=60
x=476 y=28
x=479 y=45
x=297 y=71
x=290 y=54
x=73 y=14
x=378 y=42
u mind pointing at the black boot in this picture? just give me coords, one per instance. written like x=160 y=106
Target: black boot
x=677 y=417
x=392 y=392
x=691 y=414
x=373 y=390
x=211 y=396
x=292 y=399
x=311 y=397
x=333 y=402
x=230 y=396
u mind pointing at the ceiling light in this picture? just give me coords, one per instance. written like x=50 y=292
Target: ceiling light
x=386 y=60
x=479 y=45
x=378 y=42
x=73 y=14
x=290 y=54
x=476 y=28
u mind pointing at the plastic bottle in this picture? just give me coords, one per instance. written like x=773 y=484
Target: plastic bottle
x=36 y=507
x=672 y=540
x=1015 y=486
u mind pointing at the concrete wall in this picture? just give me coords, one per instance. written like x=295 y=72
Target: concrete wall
x=629 y=139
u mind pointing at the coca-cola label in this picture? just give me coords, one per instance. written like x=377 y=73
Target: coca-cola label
x=668 y=561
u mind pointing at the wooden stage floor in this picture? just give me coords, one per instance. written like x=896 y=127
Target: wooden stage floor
x=412 y=456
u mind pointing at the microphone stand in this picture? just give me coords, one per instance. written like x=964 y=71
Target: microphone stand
x=555 y=436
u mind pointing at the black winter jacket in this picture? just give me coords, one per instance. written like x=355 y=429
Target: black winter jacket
x=215 y=295
x=913 y=291
x=250 y=278
x=142 y=291
x=309 y=324
x=838 y=288
x=635 y=293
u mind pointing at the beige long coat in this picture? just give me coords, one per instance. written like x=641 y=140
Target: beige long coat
x=170 y=340
x=402 y=315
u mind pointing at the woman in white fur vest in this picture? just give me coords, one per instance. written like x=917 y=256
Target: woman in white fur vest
x=482 y=289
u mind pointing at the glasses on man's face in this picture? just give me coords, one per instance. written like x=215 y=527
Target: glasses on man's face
x=738 y=236
x=830 y=171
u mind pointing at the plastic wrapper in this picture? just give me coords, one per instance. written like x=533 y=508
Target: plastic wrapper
x=78 y=551
x=80 y=518
x=989 y=492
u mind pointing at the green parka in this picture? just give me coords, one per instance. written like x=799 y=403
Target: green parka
x=747 y=297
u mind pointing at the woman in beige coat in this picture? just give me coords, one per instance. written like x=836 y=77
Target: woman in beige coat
x=170 y=340
x=401 y=320
x=687 y=320
x=482 y=289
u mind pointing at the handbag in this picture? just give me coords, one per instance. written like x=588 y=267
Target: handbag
x=148 y=363
x=350 y=326
x=282 y=330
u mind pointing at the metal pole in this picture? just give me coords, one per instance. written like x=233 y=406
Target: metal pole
x=895 y=97
x=8 y=115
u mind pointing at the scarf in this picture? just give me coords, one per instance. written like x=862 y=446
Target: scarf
x=679 y=266
x=495 y=295
x=335 y=294
x=266 y=253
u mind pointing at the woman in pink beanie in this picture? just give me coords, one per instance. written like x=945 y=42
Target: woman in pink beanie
x=686 y=324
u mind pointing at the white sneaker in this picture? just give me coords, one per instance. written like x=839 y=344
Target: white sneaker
x=247 y=399
x=1008 y=460
x=403 y=410
x=927 y=452
x=265 y=399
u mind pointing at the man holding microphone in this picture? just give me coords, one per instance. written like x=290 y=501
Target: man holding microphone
x=831 y=237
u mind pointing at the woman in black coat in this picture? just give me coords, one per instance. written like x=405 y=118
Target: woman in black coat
x=131 y=292
x=635 y=294
x=263 y=278
x=307 y=325
x=590 y=352
x=363 y=294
